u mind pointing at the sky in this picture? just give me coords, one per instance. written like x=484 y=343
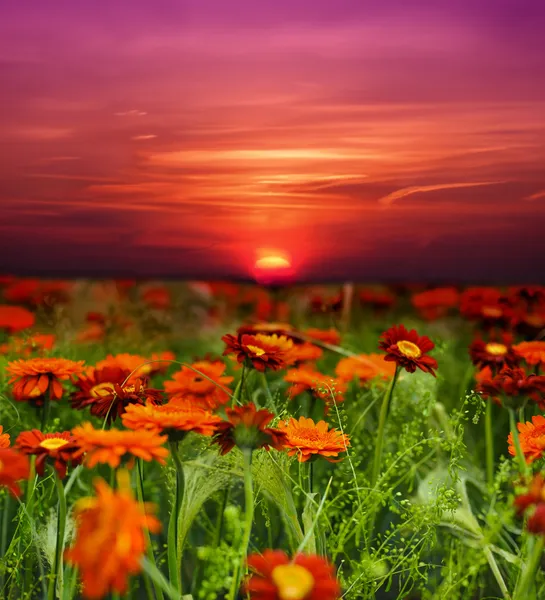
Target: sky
x=370 y=141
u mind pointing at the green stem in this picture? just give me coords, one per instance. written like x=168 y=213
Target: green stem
x=384 y=410
x=270 y=398
x=4 y=537
x=238 y=390
x=45 y=413
x=29 y=501
x=489 y=437
x=56 y=577
x=524 y=468
x=149 y=547
x=248 y=520
x=219 y=522
x=523 y=591
x=174 y=560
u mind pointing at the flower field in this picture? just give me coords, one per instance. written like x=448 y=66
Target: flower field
x=223 y=441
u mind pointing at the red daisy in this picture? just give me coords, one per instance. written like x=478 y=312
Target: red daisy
x=59 y=447
x=14 y=466
x=407 y=349
x=493 y=354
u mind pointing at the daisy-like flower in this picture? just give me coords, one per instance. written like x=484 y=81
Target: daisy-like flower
x=273 y=576
x=436 y=303
x=34 y=377
x=533 y=352
x=157 y=297
x=140 y=366
x=26 y=346
x=304 y=353
x=110 y=446
x=266 y=328
x=488 y=306
x=4 y=438
x=306 y=378
x=261 y=351
x=190 y=385
x=326 y=303
x=531 y=437
x=407 y=349
x=379 y=299
x=493 y=354
x=58 y=447
x=14 y=467
x=364 y=367
x=175 y=418
x=15 y=318
x=513 y=383
x=328 y=336
x=246 y=427
x=111 y=524
x=308 y=440
x=108 y=392
x=533 y=498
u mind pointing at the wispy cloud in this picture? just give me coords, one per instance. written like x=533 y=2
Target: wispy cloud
x=419 y=189
x=536 y=196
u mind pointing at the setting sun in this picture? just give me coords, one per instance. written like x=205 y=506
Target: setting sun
x=273 y=262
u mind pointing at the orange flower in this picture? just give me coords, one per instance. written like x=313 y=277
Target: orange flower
x=434 y=304
x=33 y=377
x=532 y=352
x=175 y=418
x=60 y=447
x=4 y=438
x=107 y=392
x=301 y=353
x=109 y=541
x=322 y=386
x=26 y=346
x=328 y=336
x=307 y=440
x=408 y=350
x=535 y=498
x=15 y=318
x=273 y=576
x=260 y=351
x=200 y=390
x=92 y=332
x=14 y=466
x=266 y=328
x=531 y=437
x=110 y=446
x=364 y=367
x=246 y=427
x=139 y=364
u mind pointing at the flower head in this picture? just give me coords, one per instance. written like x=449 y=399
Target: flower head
x=174 y=418
x=14 y=467
x=34 y=377
x=434 y=304
x=493 y=354
x=364 y=367
x=60 y=448
x=110 y=446
x=307 y=378
x=4 y=438
x=109 y=541
x=533 y=498
x=246 y=427
x=273 y=576
x=207 y=388
x=531 y=438
x=514 y=382
x=261 y=351
x=328 y=336
x=25 y=346
x=487 y=306
x=15 y=318
x=304 y=353
x=407 y=349
x=532 y=352
x=308 y=440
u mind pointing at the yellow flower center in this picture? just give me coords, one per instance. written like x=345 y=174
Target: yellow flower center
x=409 y=349
x=492 y=312
x=293 y=582
x=102 y=389
x=256 y=350
x=53 y=443
x=496 y=349
x=1 y=466
x=35 y=393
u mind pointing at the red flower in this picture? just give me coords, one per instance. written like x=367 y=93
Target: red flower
x=534 y=497
x=493 y=354
x=157 y=297
x=15 y=318
x=261 y=351
x=488 y=306
x=14 y=466
x=59 y=447
x=407 y=349
x=379 y=299
x=328 y=336
x=434 y=304
x=246 y=427
x=514 y=383
x=275 y=577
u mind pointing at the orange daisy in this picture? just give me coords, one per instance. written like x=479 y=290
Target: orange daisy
x=302 y=353
x=59 y=447
x=192 y=386
x=273 y=576
x=110 y=446
x=328 y=336
x=306 y=378
x=4 y=438
x=33 y=377
x=14 y=466
x=531 y=437
x=532 y=352
x=175 y=418
x=111 y=524
x=15 y=318
x=266 y=328
x=26 y=346
x=308 y=440
x=261 y=351
x=246 y=427
x=364 y=367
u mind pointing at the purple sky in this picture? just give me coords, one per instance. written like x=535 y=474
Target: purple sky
x=387 y=140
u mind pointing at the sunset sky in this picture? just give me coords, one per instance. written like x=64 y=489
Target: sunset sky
x=384 y=140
